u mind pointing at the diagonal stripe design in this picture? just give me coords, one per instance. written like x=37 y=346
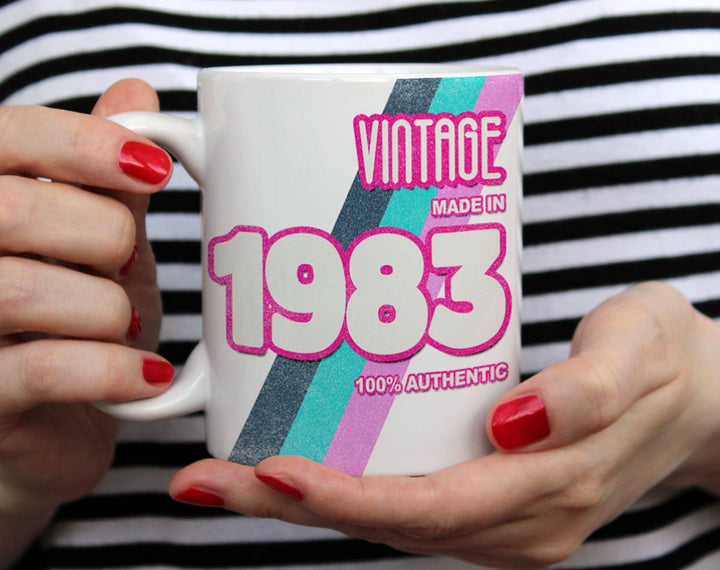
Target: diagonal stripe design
x=280 y=401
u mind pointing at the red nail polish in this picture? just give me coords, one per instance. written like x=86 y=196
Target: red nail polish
x=200 y=497
x=135 y=327
x=520 y=422
x=144 y=162
x=130 y=263
x=281 y=485
x=157 y=371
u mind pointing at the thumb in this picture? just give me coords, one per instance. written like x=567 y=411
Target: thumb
x=127 y=95
x=623 y=350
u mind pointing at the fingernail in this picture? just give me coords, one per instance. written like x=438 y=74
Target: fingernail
x=130 y=263
x=520 y=422
x=144 y=162
x=282 y=485
x=157 y=371
x=200 y=497
x=135 y=327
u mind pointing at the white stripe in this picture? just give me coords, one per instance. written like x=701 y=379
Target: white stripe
x=645 y=546
x=617 y=199
x=224 y=529
x=92 y=82
x=127 y=480
x=187 y=429
x=618 y=149
x=179 y=276
x=181 y=328
x=174 y=226
x=536 y=358
x=710 y=562
x=16 y=14
x=576 y=303
x=616 y=98
x=620 y=248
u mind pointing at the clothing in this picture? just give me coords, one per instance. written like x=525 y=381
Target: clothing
x=622 y=151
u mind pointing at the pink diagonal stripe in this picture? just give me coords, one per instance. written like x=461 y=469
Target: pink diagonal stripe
x=364 y=417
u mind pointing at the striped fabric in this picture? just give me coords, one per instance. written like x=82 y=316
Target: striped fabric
x=622 y=184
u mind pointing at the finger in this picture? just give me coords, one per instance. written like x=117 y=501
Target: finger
x=80 y=149
x=132 y=95
x=66 y=223
x=40 y=297
x=126 y=95
x=452 y=502
x=622 y=351
x=71 y=371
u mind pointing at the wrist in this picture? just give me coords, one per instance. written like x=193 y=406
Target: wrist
x=22 y=519
x=19 y=528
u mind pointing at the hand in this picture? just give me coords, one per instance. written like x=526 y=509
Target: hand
x=634 y=404
x=76 y=276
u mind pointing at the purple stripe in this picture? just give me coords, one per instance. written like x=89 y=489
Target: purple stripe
x=364 y=417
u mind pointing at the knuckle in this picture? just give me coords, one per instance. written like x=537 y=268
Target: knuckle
x=584 y=495
x=436 y=527
x=11 y=127
x=17 y=284
x=117 y=310
x=551 y=552
x=121 y=231
x=602 y=392
x=18 y=206
x=39 y=370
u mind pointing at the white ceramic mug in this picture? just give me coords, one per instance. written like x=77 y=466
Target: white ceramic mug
x=361 y=261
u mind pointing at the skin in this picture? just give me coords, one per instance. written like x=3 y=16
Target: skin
x=59 y=351
x=633 y=406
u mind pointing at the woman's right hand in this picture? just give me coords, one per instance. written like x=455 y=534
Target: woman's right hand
x=79 y=304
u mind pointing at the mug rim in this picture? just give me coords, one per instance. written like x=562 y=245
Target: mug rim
x=360 y=70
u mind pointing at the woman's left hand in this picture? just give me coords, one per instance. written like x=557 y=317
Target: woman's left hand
x=634 y=405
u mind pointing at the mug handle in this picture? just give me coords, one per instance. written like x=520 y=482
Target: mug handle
x=190 y=391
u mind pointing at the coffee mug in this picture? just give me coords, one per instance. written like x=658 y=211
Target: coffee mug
x=361 y=261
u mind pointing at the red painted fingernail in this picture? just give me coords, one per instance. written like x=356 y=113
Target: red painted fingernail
x=520 y=422
x=135 y=327
x=130 y=263
x=157 y=371
x=200 y=497
x=282 y=485
x=144 y=162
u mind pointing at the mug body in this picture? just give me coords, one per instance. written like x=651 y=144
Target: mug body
x=361 y=261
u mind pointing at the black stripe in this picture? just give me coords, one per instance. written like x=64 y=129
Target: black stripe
x=545 y=332
x=177 y=251
x=176 y=352
x=677 y=559
x=664 y=268
x=175 y=201
x=605 y=27
x=655 y=517
x=171 y=101
x=561 y=330
x=371 y=20
x=240 y=555
x=181 y=302
x=167 y=454
x=617 y=174
x=129 y=505
x=620 y=123
x=620 y=223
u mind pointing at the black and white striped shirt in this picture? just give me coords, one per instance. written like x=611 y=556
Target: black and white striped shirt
x=622 y=184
